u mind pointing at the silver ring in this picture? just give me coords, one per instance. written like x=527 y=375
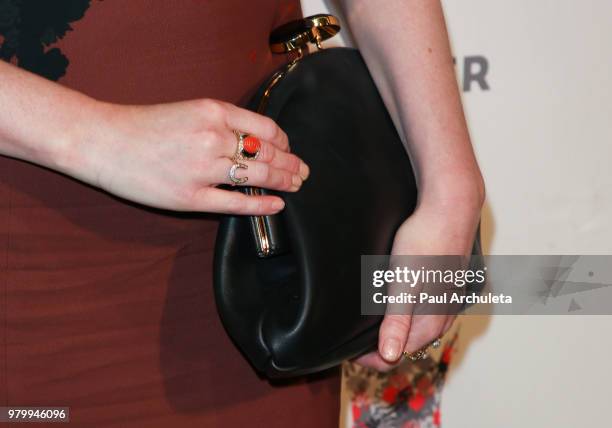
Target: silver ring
x=232 y=174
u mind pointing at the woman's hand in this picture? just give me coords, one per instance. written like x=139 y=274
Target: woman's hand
x=173 y=156
x=446 y=227
x=170 y=156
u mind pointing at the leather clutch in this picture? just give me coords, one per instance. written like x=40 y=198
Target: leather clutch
x=287 y=286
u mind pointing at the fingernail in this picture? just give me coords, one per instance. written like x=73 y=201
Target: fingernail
x=304 y=171
x=391 y=350
x=278 y=204
x=296 y=181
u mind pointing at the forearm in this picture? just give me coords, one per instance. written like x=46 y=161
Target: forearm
x=406 y=48
x=40 y=121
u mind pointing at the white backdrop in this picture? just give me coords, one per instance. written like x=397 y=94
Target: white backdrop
x=543 y=134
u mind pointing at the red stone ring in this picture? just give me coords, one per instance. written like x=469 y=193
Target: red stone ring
x=248 y=146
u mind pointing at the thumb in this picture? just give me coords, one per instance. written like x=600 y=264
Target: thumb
x=393 y=336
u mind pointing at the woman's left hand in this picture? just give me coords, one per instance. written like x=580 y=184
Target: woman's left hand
x=434 y=229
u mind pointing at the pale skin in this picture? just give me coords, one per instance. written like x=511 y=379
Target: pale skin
x=405 y=45
x=170 y=156
x=174 y=156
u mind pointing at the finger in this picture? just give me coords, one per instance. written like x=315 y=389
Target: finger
x=392 y=336
x=229 y=143
x=258 y=125
x=269 y=153
x=424 y=330
x=283 y=160
x=215 y=200
x=374 y=361
x=258 y=174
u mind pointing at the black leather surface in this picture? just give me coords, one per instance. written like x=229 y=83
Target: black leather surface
x=300 y=312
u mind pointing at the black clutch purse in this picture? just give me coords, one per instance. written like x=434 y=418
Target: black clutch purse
x=287 y=286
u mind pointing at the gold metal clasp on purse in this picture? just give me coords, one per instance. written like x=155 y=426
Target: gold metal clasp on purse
x=296 y=35
x=289 y=38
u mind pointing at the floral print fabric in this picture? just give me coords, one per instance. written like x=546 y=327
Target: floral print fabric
x=407 y=397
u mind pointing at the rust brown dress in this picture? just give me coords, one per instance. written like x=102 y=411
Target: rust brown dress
x=107 y=306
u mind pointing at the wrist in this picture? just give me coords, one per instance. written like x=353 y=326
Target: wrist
x=80 y=152
x=454 y=206
x=445 y=220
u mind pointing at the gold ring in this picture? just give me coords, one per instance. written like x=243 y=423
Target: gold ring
x=421 y=354
x=232 y=174
x=247 y=147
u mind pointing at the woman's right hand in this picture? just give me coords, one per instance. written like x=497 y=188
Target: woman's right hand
x=173 y=156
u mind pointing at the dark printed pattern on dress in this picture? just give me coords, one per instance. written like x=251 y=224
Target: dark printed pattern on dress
x=28 y=28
